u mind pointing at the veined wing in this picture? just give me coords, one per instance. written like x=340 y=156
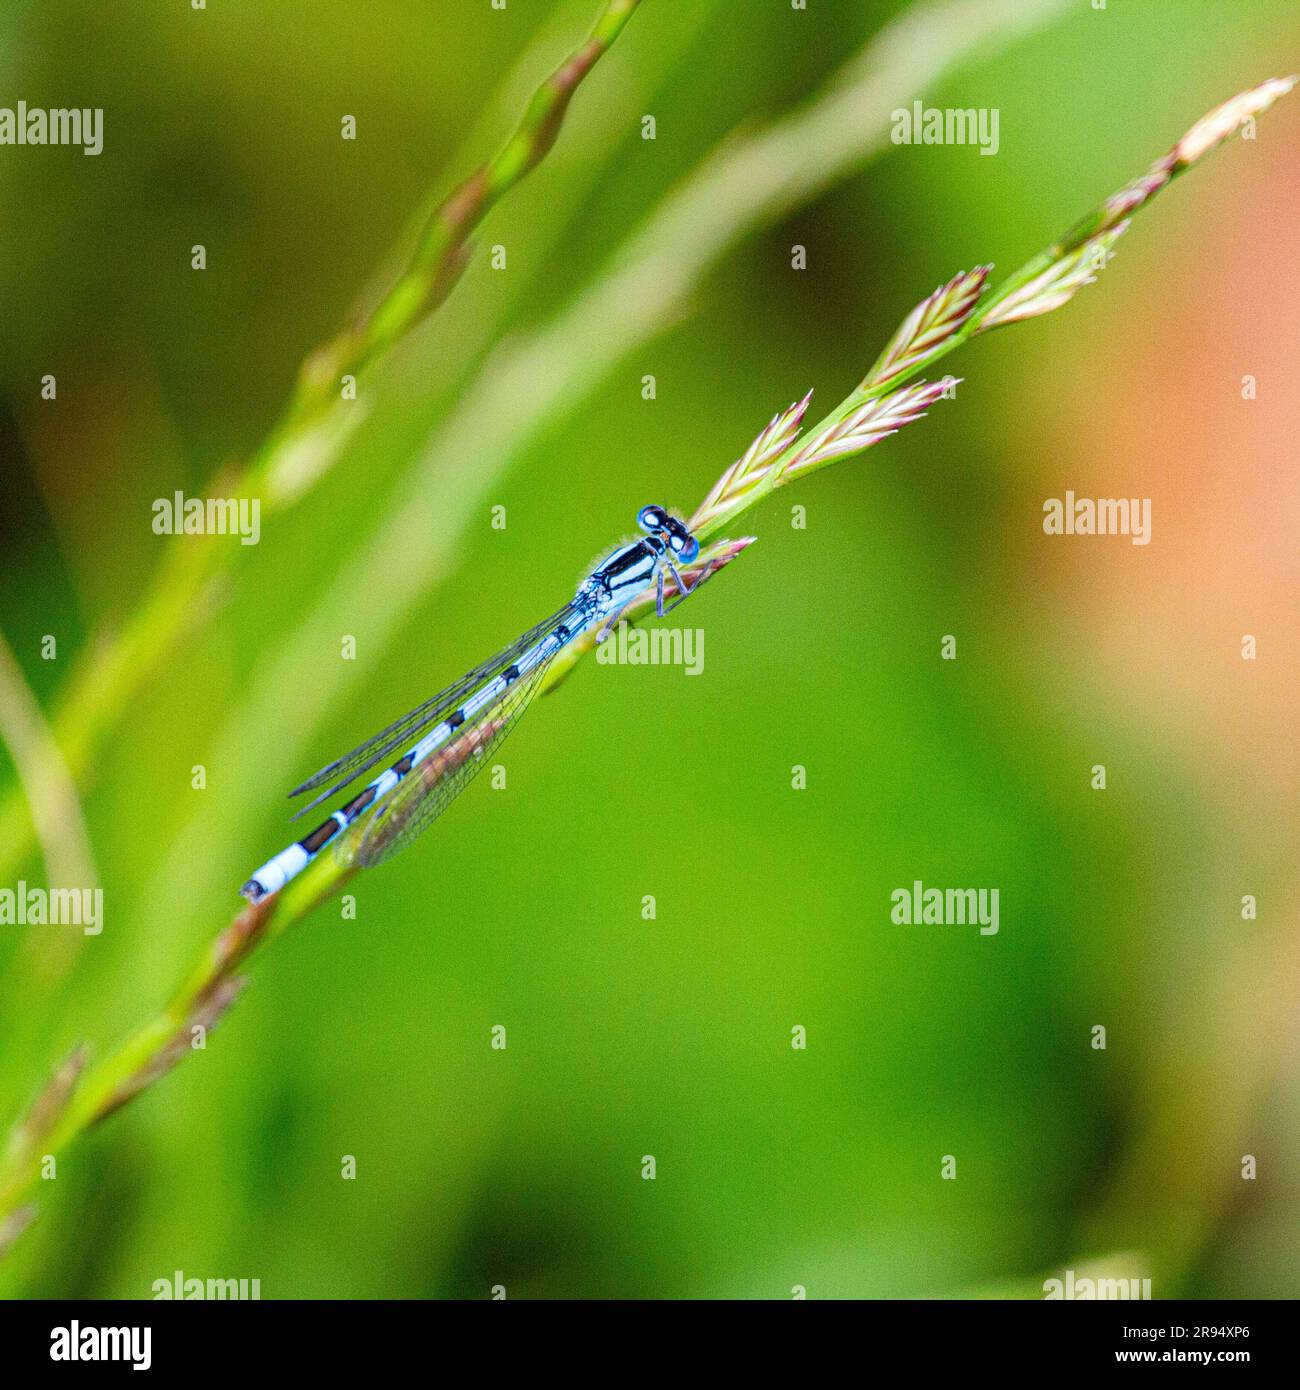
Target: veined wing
x=432 y=785
x=398 y=735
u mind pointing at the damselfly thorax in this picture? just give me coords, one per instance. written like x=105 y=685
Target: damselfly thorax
x=633 y=568
x=443 y=741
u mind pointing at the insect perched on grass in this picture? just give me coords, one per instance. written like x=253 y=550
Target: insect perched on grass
x=471 y=716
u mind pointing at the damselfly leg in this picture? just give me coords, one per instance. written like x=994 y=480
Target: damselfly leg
x=683 y=590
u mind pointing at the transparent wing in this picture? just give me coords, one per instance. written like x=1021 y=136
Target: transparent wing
x=432 y=785
x=398 y=735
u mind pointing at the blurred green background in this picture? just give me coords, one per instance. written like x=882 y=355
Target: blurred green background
x=370 y=1037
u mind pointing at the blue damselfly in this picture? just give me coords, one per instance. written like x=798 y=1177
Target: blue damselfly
x=445 y=738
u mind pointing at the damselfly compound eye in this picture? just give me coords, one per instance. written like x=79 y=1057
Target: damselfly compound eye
x=680 y=541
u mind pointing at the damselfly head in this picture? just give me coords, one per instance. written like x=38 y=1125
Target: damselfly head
x=659 y=522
